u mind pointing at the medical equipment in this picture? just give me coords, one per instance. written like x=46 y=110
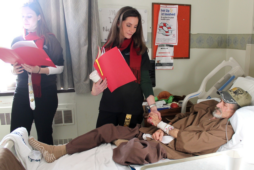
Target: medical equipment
x=223 y=84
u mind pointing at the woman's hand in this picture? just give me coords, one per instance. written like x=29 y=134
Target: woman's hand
x=153 y=119
x=31 y=69
x=150 y=100
x=99 y=87
x=17 y=69
x=158 y=135
x=154 y=110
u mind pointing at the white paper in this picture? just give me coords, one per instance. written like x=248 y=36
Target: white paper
x=165 y=50
x=107 y=16
x=24 y=44
x=164 y=63
x=160 y=103
x=144 y=104
x=167 y=28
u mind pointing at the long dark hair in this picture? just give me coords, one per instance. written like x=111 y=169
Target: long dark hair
x=114 y=33
x=42 y=29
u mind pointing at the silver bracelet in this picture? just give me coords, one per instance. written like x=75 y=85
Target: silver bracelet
x=152 y=105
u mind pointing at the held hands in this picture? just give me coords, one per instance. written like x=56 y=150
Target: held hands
x=99 y=87
x=31 y=69
x=154 y=110
x=151 y=101
x=158 y=135
x=17 y=69
x=153 y=119
x=153 y=116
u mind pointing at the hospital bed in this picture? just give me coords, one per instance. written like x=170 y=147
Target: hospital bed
x=223 y=84
x=101 y=157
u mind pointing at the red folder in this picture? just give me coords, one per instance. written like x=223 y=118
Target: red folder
x=26 y=55
x=112 y=65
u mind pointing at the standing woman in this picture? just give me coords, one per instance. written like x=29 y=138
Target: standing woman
x=126 y=101
x=43 y=78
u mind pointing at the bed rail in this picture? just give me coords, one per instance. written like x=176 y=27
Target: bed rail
x=9 y=144
x=223 y=84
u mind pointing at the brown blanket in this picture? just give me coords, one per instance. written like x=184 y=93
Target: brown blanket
x=8 y=161
x=199 y=134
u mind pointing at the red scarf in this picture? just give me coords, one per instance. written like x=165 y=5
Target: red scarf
x=36 y=78
x=135 y=59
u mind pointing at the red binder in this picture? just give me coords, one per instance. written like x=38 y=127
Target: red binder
x=112 y=65
x=26 y=55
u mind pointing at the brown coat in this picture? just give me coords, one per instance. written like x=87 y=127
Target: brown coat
x=199 y=134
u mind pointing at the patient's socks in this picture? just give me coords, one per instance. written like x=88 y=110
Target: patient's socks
x=49 y=152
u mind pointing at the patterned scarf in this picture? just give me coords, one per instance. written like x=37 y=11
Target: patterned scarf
x=36 y=78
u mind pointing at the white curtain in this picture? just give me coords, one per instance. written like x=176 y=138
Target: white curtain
x=75 y=23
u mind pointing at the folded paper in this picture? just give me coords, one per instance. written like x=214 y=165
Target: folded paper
x=25 y=53
x=112 y=66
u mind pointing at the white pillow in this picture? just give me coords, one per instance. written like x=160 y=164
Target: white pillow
x=250 y=78
x=242 y=123
x=246 y=84
x=216 y=99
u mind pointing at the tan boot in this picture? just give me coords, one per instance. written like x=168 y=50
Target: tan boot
x=119 y=141
x=50 y=152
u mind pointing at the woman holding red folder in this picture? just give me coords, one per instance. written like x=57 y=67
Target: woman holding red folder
x=43 y=79
x=124 y=105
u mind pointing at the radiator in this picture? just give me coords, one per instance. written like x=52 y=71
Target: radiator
x=64 y=124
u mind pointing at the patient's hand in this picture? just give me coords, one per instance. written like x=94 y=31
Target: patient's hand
x=153 y=119
x=173 y=132
x=158 y=135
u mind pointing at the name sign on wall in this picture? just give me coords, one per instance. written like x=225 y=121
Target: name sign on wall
x=107 y=16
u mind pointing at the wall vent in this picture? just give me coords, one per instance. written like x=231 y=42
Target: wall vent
x=64 y=126
x=5 y=118
x=61 y=141
x=63 y=117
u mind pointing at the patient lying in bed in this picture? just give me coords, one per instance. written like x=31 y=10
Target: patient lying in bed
x=199 y=132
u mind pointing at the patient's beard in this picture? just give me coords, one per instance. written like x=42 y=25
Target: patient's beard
x=215 y=114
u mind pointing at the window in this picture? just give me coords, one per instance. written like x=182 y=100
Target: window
x=10 y=18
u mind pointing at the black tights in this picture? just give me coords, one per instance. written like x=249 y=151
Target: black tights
x=23 y=116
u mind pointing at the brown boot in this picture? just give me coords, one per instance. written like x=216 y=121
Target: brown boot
x=50 y=152
x=119 y=141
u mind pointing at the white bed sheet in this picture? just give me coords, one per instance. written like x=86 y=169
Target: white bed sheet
x=138 y=167
x=99 y=158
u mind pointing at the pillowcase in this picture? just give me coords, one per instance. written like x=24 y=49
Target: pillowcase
x=249 y=77
x=246 y=84
x=216 y=99
x=242 y=123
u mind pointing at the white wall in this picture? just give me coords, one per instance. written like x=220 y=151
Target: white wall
x=240 y=21
x=240 y=17
x=207 y=16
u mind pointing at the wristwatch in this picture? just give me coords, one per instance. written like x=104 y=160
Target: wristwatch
x=152 y=105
